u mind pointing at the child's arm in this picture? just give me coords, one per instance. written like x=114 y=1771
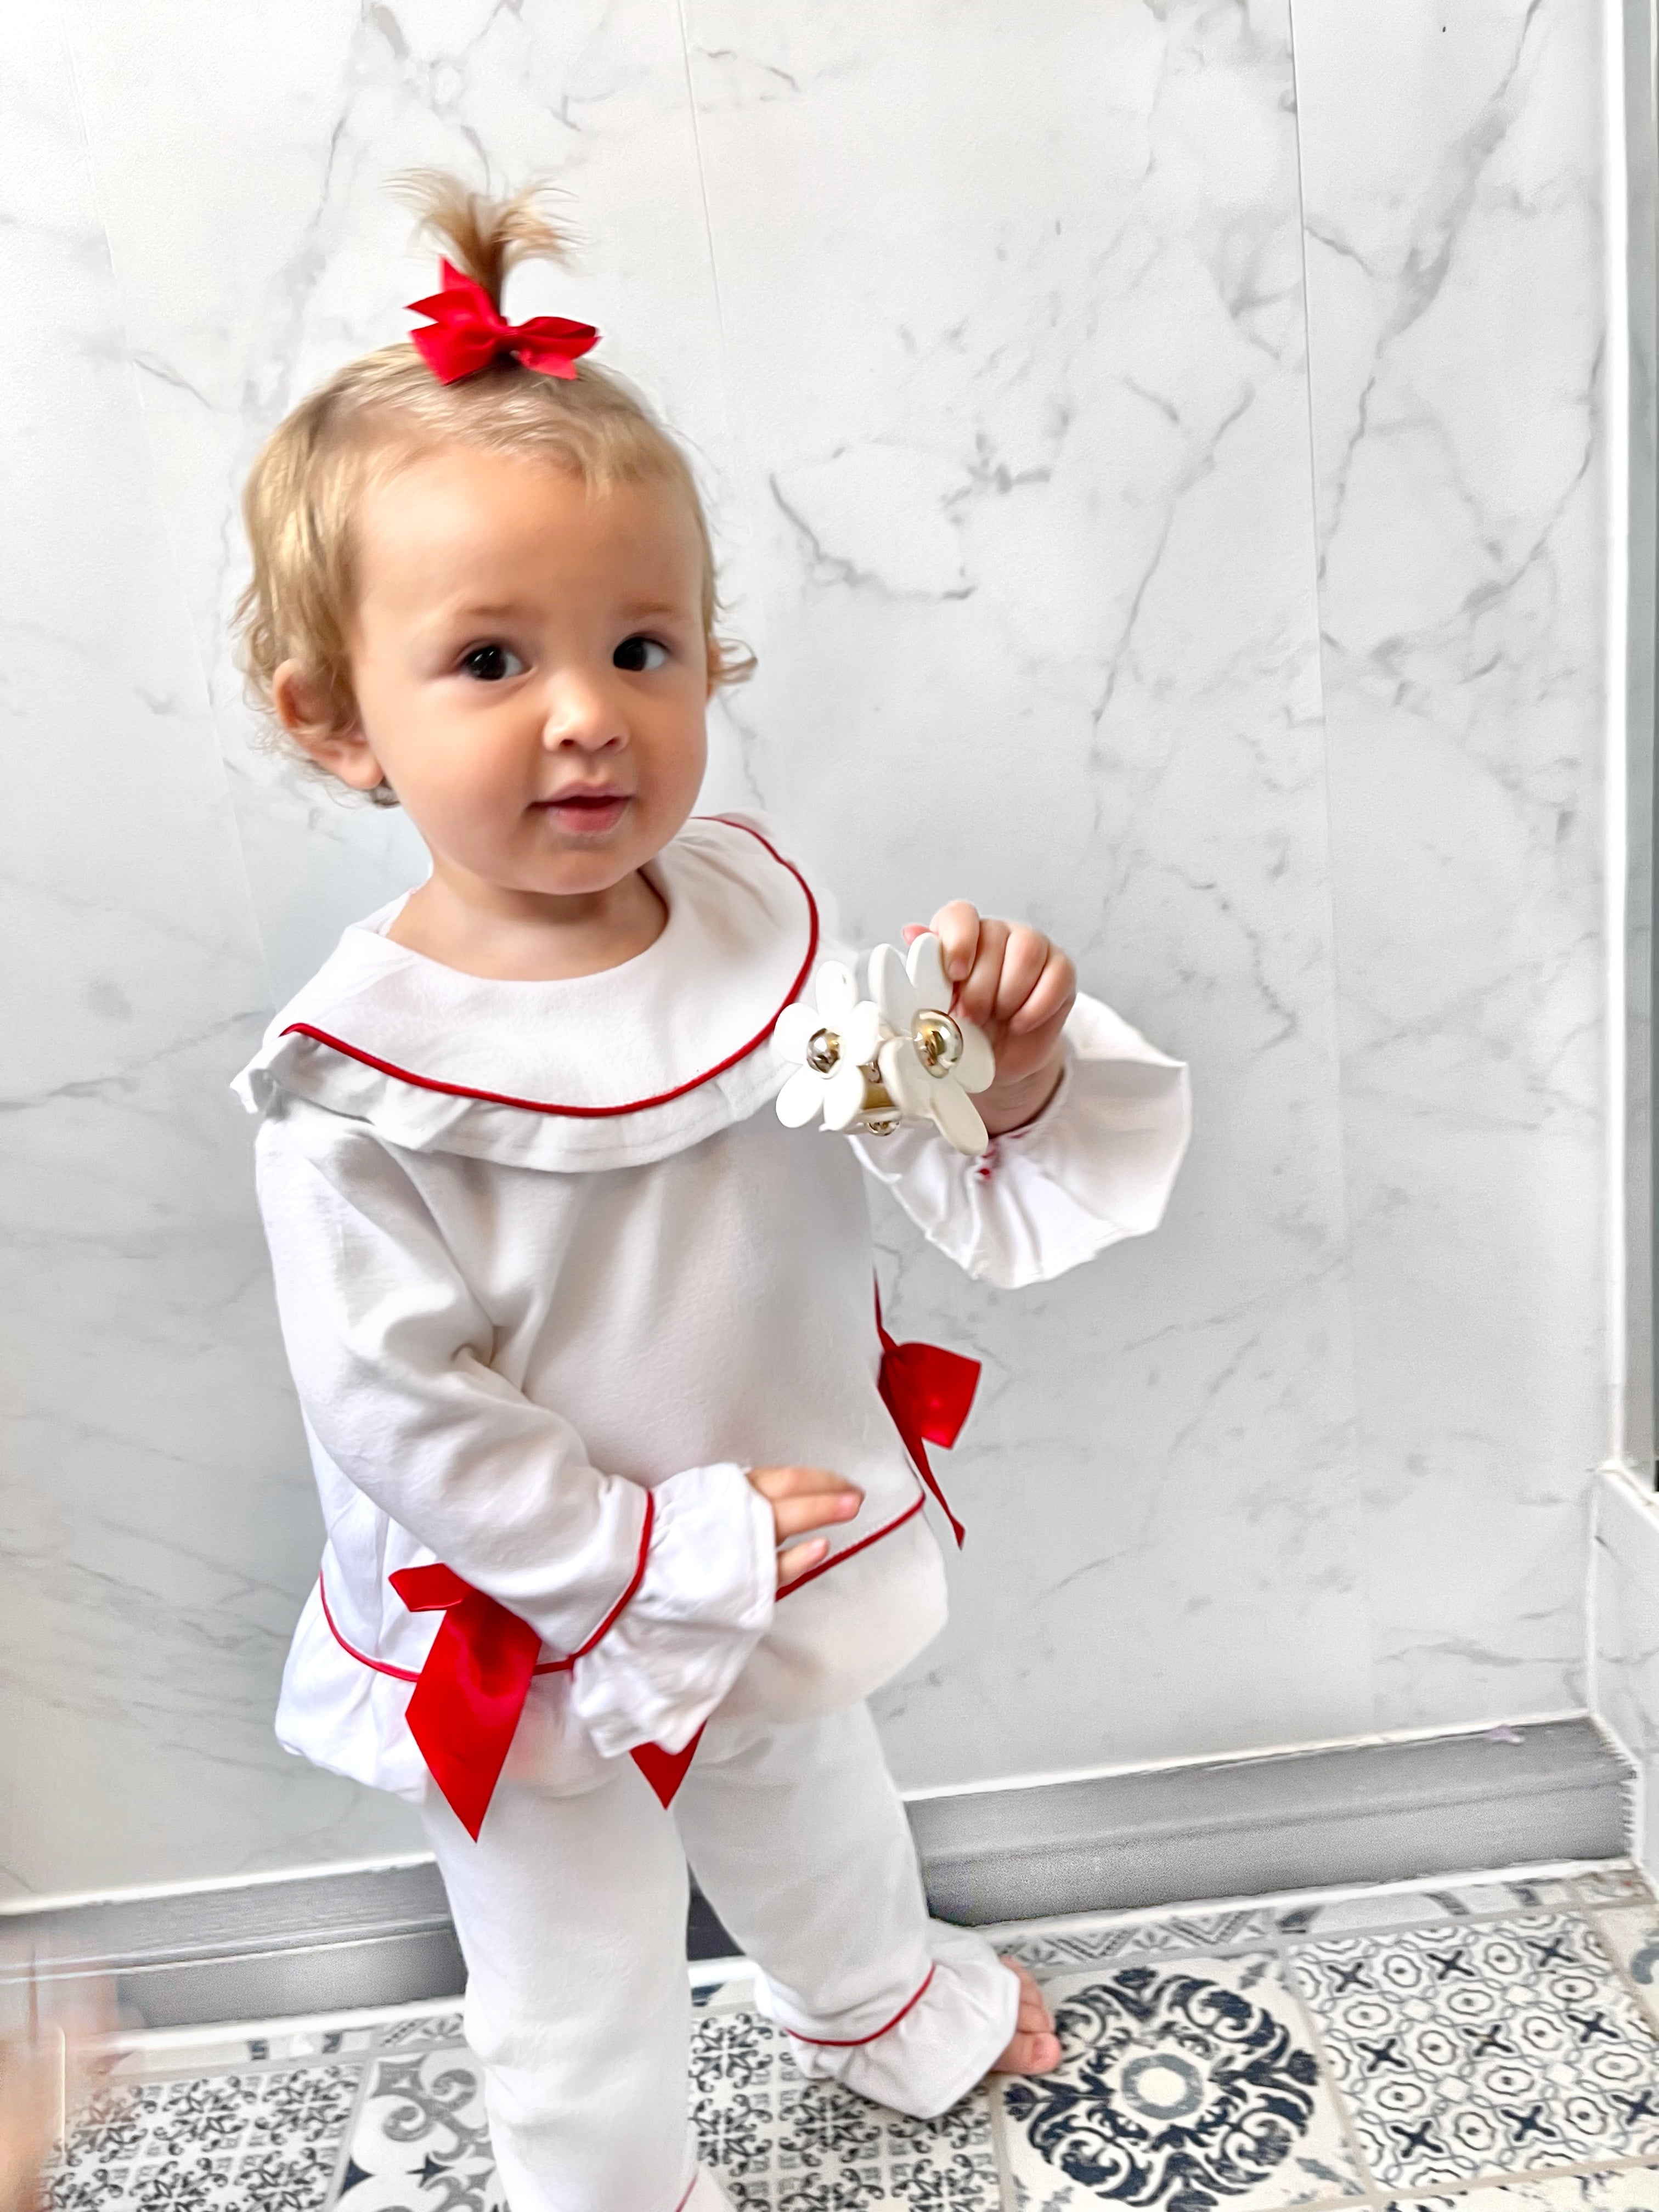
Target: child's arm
x=1089 y=1122
x=391 y=1351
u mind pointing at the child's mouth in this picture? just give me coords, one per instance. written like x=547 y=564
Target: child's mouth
x=585 y=814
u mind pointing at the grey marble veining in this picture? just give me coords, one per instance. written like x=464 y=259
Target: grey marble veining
x=1452 y=179
x=158 y=1533
x=992 y=338
x=997 y=582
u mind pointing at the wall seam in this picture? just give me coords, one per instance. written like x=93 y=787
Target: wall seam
x=1333 y=964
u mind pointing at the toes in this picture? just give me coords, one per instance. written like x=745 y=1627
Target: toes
x=1033 y=2048
x=1031 y=2054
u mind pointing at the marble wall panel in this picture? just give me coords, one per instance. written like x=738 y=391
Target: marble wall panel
x=157 y=1530
x=1452 y=178
x=1022 y=426
x=991 y=334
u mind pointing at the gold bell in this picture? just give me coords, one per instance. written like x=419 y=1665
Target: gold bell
x=879 y=1114
x=938 y=1041
x=822 y=1051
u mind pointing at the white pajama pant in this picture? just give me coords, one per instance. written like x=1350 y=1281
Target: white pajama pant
x=571 y=1914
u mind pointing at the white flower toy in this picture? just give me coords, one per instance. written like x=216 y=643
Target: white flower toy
x=835 y=1043
x=868 y=1064
x=931 y=1059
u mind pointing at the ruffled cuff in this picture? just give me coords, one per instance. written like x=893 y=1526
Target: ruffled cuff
x=704 y=1602
x=1096 y=1165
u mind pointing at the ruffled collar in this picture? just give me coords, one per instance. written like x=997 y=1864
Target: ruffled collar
x=596 y=1072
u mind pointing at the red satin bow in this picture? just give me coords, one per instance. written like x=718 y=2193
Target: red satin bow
x=464 y=1710
x=467 y=332
x=464 y=1707
x=929 y=1392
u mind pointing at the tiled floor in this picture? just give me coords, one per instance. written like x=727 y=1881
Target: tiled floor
x=1492 y=2047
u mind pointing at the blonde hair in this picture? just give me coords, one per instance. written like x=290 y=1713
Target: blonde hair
x=304 y=487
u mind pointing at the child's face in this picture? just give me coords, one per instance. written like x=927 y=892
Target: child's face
x=530 y=667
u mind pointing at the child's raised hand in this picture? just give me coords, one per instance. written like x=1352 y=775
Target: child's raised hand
x=1019 y=987
x=803 y=1498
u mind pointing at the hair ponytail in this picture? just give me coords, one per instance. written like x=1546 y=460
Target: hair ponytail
x=484 y=238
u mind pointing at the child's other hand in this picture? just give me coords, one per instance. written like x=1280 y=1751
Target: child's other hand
x=1019 y=987
x=803 y=1498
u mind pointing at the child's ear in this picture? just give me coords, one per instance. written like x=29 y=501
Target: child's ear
x=306 y=705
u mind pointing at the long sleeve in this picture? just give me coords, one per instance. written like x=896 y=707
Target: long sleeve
x=1096 y=1165
x=391 y=1352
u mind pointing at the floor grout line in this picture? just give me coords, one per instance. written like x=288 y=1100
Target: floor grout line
x=349 y=2133
x=1373 y=2191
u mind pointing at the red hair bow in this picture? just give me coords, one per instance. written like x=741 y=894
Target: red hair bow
x=467 y=332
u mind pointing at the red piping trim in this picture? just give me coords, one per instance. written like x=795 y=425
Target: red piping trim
x=594 y=1113
x=549 y=1667
x=614 y=1613
x=686 y=2199
x=381 y=1666
x=852 y=2042
x=863 y=1545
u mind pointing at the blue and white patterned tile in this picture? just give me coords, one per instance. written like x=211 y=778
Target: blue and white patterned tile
x=237 y=2141
x=1484 y=2048
x=1180 y=2085
x=420 y=2142
x=781 y=2144
x=1057 y=1945
x=1617 y=2189
x=1631 y=1933
x=1614 y=1886
x=1377 y=1910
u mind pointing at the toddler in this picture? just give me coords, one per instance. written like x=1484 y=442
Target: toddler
x=620 y=1530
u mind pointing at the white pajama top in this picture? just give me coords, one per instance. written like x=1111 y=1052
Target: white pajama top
x=552 y=1277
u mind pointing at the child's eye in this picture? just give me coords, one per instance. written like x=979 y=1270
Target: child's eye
x=491 y=663
x=638 y=655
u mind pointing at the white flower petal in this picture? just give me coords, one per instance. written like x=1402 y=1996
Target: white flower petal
x=797 y=1027
x=861 y=1032
x=928 y=980
x=843 y=1096
x=908 y=1081
x=957 y=1115
x=800 y=1098
x=889 y=987
x=836 y=993
x=977 y=1069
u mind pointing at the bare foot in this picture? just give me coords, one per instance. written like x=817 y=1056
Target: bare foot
x=1033 y=2048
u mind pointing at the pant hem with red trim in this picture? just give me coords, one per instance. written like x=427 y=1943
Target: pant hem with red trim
x=571 y=1913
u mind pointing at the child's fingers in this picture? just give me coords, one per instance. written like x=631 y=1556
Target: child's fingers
x=799 y=1557
x=1024 y=958
x=956 y=926
x=794 y=1517
x=777 y=1482
x=1050 y=998
x=976 y=993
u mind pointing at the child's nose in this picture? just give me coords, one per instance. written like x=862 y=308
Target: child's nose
x=583 y=713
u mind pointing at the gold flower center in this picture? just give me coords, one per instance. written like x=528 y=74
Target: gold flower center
x=938 y=1040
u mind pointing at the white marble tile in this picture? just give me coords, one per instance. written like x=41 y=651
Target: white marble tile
x=990 y=334
x=1451 y=169
x=159 y=1530
x=1022 y=418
